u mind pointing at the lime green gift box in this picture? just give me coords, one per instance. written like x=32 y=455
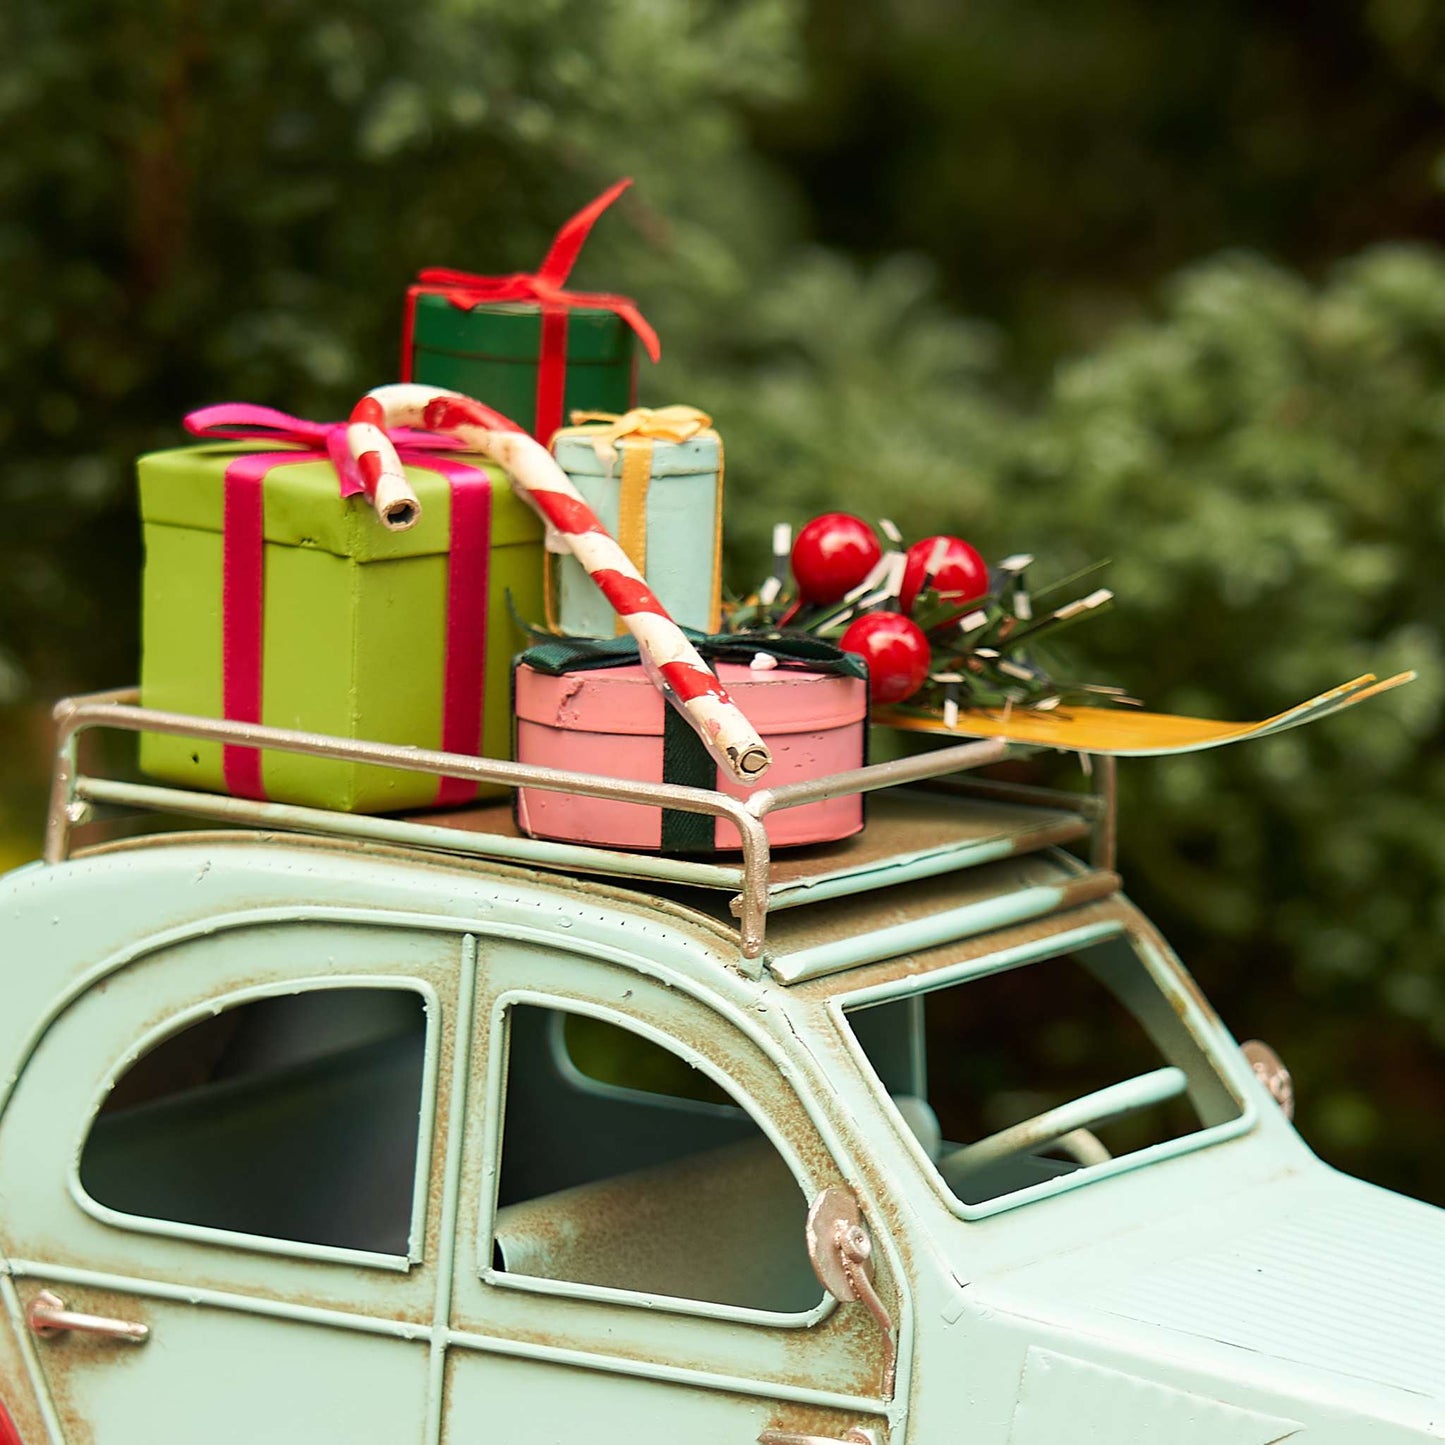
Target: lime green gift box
x=354 y=621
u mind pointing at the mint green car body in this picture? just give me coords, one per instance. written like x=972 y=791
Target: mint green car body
x=1223 y=1287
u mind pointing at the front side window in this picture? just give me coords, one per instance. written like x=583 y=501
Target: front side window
x=624 y=1167
x=1014 y=1080
x=293 y=1117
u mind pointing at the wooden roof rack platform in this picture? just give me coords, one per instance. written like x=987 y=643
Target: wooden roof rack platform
x=955 y=823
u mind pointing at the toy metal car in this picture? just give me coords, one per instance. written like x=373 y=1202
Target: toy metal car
x=334 y=1129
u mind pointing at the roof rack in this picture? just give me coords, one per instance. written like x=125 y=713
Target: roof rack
x=909 y=838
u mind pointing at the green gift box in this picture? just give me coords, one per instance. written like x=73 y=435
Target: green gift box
x=523 y=344
x=493 y=351
x=360 y=632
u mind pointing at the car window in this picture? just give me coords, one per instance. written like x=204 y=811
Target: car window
x=624 y=1167
x=612 y=1058
x=293 y=1117
x=1015 y=1079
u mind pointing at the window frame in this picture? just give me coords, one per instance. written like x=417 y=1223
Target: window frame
x=195 y=1013
x=1166 y=978
x=489 y=1167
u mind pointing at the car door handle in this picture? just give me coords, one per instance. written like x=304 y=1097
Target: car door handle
x=47 y=1316
x=856 y=1436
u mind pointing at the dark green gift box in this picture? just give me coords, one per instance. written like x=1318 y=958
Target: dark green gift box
x=493 y=351
x=523 y=344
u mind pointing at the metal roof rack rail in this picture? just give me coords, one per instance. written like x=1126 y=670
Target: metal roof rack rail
x=77 y=798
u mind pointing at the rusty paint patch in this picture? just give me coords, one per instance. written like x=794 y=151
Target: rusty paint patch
x=1089 y=888
x=638 y=901
x=447 y=1036
x=1108 y=909
x=1149 y=944
x=205 y=1282
x=19 y=1396
x=800 y=931
x=821 y=1421
x=66 y=1359
x=851 y=1343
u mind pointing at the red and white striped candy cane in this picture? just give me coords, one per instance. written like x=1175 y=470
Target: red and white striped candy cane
x=384 y=477
x=671 y=661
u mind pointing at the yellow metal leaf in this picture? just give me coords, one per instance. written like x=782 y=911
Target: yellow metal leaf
x=1127 y=733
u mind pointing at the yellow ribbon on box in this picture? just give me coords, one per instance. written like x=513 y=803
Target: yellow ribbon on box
x=646 y=425
x=655 y=423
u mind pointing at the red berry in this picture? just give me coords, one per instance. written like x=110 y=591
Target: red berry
x=832 y=555
x=895 y=650
x=946 y=564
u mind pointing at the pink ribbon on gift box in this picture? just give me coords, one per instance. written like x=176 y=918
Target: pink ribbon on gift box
x=243 y=569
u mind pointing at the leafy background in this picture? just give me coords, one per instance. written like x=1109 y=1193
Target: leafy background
x=1090 y=279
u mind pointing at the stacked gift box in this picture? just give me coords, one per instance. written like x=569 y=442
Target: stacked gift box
x=270 y=597
x=276 y=594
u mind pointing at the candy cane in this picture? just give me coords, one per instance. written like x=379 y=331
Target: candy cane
x=382 y=474
x=671 y=661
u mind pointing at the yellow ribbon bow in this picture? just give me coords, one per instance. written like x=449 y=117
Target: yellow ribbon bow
x=661 y=423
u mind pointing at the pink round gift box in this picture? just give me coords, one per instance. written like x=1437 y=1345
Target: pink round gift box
x=609 y=721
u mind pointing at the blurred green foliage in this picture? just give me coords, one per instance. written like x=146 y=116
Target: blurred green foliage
x=1056 y=156
x=866 y=231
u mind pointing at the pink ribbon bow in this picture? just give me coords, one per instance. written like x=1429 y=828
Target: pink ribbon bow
x=321 y=440
x=243 y=568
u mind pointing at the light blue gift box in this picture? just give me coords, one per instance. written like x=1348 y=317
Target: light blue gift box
x=662 y=500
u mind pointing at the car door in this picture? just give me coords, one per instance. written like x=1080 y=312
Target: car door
x=226 y=1148
x=630 y=1253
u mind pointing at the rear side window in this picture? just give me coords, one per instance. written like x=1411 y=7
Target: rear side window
x=290 y=1118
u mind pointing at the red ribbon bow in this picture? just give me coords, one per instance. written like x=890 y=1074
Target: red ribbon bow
x=546 y=287
x=243 y=569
